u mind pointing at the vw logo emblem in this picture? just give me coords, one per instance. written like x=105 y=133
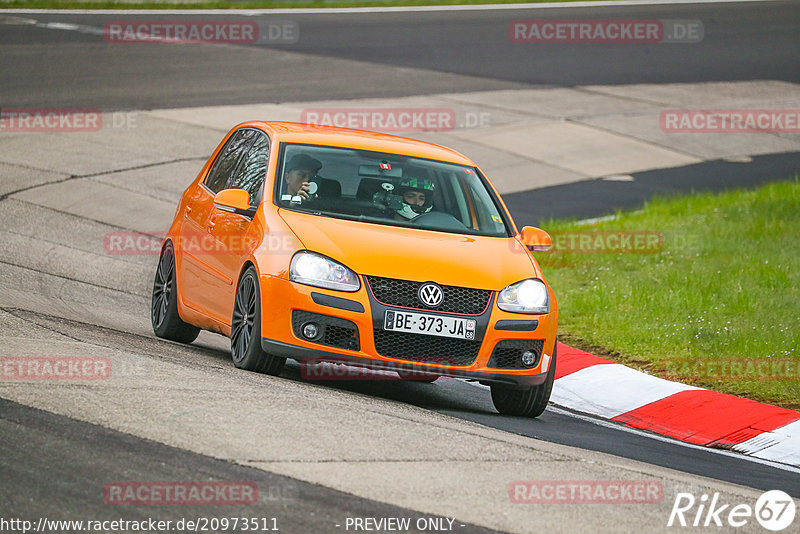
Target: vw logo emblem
x=430 y=294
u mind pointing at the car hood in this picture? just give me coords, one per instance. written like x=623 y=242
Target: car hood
x=410 y=254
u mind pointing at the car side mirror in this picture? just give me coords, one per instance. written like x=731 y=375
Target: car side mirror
x=536 y=239
x=234 y=201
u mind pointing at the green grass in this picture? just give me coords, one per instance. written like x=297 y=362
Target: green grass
x=243 y=4
x=724 y=288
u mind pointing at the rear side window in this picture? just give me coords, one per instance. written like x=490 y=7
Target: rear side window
x=253 y=169
x=228 y=159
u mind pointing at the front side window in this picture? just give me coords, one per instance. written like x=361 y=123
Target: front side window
x=387 y=189
x=253 y=169
x=229 y=159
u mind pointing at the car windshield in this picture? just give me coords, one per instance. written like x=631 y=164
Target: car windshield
x=387 y=189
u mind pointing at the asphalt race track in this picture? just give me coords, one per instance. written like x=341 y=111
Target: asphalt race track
x=319 y=452
x=449 y=51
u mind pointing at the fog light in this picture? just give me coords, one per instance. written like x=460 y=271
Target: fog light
x=528 y=358
x=310 y=330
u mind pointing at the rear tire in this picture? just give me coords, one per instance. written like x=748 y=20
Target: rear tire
x=528 y=402
x=246 y=348
x=164 y=316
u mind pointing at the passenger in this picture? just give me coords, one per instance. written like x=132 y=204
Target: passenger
x=298 y=174
x=417 y=196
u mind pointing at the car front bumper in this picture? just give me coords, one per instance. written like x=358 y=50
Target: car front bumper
x=279 y=334
x=312 y=355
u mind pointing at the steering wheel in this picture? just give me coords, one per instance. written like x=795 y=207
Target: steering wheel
x=439 y=219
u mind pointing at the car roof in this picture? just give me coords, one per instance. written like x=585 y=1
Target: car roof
x=295 y=132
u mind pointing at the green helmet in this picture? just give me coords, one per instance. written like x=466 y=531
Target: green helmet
x=409 y=211
x=421 y=184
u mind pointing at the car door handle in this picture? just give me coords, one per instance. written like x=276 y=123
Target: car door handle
x=188 y=209
x=211 y=225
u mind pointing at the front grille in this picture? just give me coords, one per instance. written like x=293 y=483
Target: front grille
x=507 y=354
x=426 y=349
x=393 y=292
x=334 y=331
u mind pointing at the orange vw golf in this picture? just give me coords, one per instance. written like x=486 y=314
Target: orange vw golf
x=328 y=244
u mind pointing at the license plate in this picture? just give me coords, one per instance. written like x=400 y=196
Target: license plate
x=431 y=325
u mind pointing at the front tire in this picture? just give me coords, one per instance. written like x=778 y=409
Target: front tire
x=528 y=402
x=164 y=316
x=246 y=329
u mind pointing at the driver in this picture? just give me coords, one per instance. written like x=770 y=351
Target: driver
x=299 y=172
x=417 y=196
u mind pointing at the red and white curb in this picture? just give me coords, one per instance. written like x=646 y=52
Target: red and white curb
x=593 y=385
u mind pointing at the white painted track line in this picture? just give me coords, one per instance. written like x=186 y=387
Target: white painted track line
x=388 y=9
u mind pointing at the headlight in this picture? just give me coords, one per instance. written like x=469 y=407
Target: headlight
x=316 y=270
x=528 y=296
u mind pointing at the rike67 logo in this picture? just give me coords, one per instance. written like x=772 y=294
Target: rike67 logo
x=774 y=510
